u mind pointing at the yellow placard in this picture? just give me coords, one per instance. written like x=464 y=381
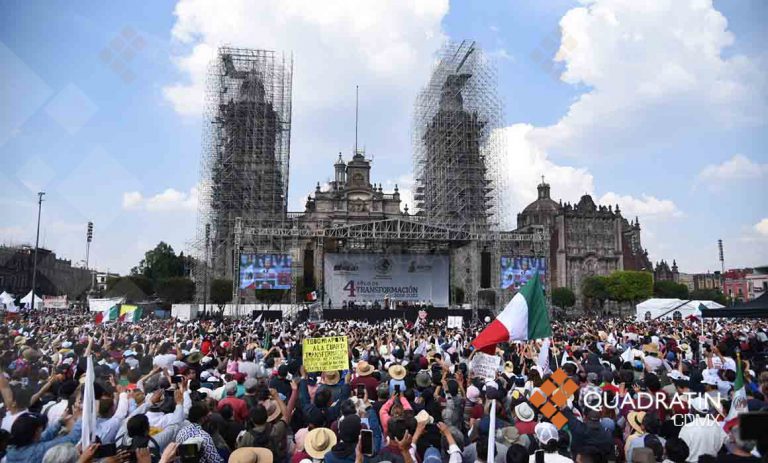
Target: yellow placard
x=325 y=354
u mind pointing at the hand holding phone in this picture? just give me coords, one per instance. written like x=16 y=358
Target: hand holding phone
x=366 y=442
x=360 y=391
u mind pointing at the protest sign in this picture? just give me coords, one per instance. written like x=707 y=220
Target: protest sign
x=325 y=354
x=455 y=321
x=484 y=365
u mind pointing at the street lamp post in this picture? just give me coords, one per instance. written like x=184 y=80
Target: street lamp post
x=37 y=242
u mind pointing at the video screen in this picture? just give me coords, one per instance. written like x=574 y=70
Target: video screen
x=516 y=271
x=265 y=271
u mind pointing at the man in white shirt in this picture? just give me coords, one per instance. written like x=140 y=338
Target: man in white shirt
x=703 y=435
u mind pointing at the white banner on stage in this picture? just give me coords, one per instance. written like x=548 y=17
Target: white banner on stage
x=376 y=277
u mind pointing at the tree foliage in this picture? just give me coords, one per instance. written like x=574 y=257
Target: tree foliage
x=709 y=295
x=595 y=290
x=670 y=289
x=220 y=293
x=175 y=289
x=134 y=288
x=563 y=298
x=630 y=286
x=162 y=263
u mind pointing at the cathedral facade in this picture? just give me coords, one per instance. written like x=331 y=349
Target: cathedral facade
x=586 y=239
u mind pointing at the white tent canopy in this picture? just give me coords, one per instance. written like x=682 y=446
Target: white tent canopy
x=6 y=298
x=28 y=300
x=671 y=308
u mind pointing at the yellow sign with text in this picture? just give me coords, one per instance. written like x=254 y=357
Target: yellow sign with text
x=325 y=354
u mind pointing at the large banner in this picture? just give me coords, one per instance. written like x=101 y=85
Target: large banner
x=55 y=302
x=376 y=277
x=265 y=271
x=516 y=271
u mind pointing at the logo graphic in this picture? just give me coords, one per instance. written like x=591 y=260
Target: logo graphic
x=553 y=396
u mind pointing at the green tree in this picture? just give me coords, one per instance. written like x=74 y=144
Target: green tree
x=134 y=288
x=709 y=295
x=670 y=289
x=563 y=298
x=220 y=293
x=595 y=290
x=175 y=289
x=161 y=263
x=629 y=287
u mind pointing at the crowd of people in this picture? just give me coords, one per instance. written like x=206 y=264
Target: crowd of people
x=237 y=391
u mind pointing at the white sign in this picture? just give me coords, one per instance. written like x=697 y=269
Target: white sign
x=55 y=302
x=455 y=321
x=399 y=277
x=484 y=365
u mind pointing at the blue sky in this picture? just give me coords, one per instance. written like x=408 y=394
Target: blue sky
x=660 y=108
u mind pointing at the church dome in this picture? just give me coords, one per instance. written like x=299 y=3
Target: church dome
x=543 y=204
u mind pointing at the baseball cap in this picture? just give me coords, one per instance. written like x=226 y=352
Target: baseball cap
x=546 y=432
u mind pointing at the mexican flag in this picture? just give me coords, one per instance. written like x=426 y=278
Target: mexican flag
x=524 y=318
x=108 y=315
x=739 y=401
x=130 y=313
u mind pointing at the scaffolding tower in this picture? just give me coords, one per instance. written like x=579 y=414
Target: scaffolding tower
x=245 y=153
x=456 y=151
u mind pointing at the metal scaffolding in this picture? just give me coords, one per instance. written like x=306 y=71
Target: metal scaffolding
x=245 y=152
x=456 y=152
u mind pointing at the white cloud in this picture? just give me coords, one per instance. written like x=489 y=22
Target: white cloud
x=524 y=165
x=132 y=200
x=382 y=45
x=647 y=207
x=739 y=167
x=653 y=70
x=170 y=200
x=761 y=227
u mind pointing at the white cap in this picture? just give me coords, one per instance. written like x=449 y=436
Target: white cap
x=700 y=404
x=546 y=432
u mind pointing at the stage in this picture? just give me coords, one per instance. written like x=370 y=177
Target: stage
x=410 y=314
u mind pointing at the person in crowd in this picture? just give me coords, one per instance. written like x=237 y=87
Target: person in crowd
x=238 y=390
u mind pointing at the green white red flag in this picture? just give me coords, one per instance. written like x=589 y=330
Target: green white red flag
x=525 y=317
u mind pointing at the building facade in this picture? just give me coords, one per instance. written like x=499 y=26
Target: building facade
x=663 y=272
x=586 y=239
x=55 y=277
x=708 y=280
x=736 y=285
x=757 y=283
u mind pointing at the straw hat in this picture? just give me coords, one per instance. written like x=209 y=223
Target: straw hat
x=364 y=368
x=524 y=412
x=651 y=348
x=635 y=420
x=397 y=372
x=273 y=411
x=331 y=377
x=509 y=367
x=319 y=441
x=251 y=455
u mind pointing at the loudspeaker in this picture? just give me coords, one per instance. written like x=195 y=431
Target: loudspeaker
x=309 y=268
x=485 y=269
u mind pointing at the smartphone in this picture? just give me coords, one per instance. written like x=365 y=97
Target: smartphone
x=539 y=456
x=105 y=450
x=188 y=452
x=366 y=442
x=360 y=391
x=397 y=389
x=176 y=379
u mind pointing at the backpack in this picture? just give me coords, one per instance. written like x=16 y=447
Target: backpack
x=254 y=438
